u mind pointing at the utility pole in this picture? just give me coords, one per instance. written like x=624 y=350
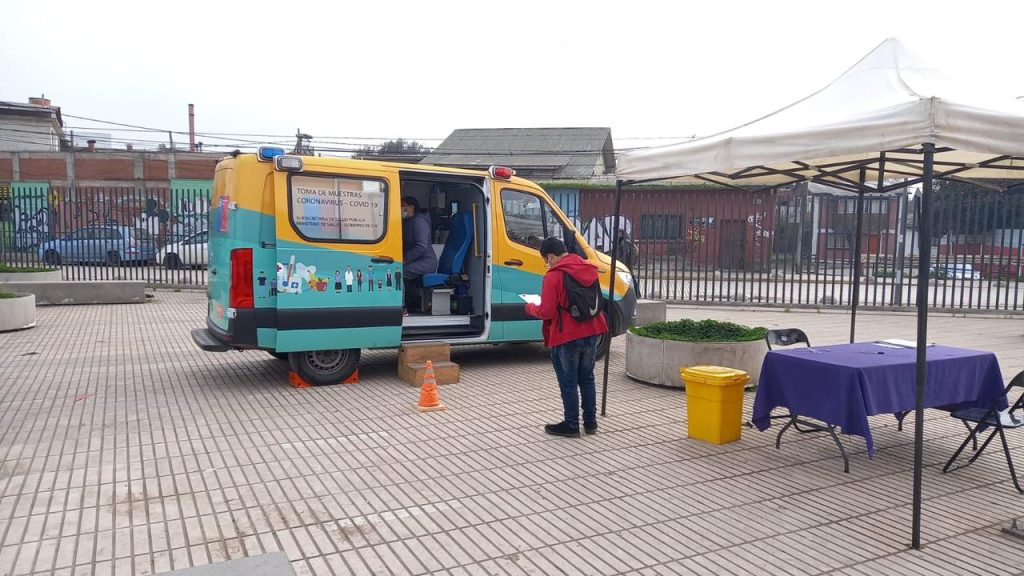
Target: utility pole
x=191 y=128
x=303 y=144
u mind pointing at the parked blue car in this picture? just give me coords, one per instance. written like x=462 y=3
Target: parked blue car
x=107 y=244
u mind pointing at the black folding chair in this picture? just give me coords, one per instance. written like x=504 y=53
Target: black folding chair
x=779 y=339
x=999 y=422
x=789 y=337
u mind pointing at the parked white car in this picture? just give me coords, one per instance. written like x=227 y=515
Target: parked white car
x=955 y=272
x=190 y=252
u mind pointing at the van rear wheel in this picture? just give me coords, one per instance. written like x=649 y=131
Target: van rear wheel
x=324 y=367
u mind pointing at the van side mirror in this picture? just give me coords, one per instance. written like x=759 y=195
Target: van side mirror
x=571 y=245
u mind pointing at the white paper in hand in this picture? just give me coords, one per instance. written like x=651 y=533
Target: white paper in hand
x=531 y=298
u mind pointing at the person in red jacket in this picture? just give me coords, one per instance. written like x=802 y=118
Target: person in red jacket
x=573 y=343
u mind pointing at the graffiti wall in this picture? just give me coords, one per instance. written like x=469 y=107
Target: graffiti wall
x=24 y=214
x=169 y=215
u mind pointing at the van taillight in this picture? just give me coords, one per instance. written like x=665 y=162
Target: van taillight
x=240 y=291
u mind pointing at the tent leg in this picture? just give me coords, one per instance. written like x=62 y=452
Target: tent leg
x=610 y=301
x=857 y=247
x=923 y=265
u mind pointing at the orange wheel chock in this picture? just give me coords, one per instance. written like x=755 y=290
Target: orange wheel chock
x=296 y=381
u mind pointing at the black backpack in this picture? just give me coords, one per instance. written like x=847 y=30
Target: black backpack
x=584 y=302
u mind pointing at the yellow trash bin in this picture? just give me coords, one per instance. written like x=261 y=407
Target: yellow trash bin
x=714 y=402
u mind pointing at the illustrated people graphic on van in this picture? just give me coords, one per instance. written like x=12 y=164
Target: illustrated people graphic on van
x=388 y=276
x=369 y=276
x=337 y=281
x=348 y=278
x=261 y=281
x=417 y=252
x=398 y=278
x=359 y=279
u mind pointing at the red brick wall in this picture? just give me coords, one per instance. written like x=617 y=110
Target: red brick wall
x=155 y=169
x=42 y=168
x=108 y=166
x=87 y=168
x=195 y=168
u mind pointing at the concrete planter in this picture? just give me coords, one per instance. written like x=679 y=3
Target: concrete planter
x=17 y=313
x=50 y=276
x=658 y=361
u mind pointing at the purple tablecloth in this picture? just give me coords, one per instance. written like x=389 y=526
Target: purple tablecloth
x=844 y=384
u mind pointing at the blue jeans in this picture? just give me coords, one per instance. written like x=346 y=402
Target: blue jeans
x=574 y=368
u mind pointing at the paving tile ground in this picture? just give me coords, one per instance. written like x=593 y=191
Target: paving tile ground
x=125 y=450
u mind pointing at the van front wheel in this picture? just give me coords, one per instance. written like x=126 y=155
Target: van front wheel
x=600 y=345
x=324 y=367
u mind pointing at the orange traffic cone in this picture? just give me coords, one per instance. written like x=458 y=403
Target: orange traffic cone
x=429 y=399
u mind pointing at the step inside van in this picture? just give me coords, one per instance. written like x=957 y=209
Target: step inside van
x=305 y=259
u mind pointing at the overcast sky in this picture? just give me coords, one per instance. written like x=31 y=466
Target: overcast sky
x=345 y=71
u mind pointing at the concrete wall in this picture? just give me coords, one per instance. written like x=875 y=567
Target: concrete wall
x=28 y=134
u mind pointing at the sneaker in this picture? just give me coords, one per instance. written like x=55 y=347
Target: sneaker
x=562 y=429
x=590 y=427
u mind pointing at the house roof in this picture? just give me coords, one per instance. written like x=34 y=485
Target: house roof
x=20 y=109
x=556 y=153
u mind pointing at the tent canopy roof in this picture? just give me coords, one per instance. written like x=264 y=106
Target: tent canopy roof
x=878 y=114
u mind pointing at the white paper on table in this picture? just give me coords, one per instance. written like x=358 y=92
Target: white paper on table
x=900 y=343
x=531 y=298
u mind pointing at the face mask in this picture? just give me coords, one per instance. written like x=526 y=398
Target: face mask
x=407 y=212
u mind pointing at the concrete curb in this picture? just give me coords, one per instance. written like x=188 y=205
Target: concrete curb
x=658 y=361
x=17 y=313
x=97 y=292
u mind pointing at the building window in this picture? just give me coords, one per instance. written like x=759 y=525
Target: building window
x=837 y=241
x=338 y=208
x=661 y=227
x=871 y=206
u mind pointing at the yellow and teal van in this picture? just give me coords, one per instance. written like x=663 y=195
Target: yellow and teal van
x=305 y=259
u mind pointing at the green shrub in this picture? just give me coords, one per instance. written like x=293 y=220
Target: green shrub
x=701 y=331
x=17 y=269
x=7 y=295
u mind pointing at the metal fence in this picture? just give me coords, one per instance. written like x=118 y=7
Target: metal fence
x=111 y=233
x=792 y=247
x=786 y=247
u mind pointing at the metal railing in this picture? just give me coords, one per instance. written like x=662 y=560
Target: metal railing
x=789 y=248
x=778 y=247
x=108 y=233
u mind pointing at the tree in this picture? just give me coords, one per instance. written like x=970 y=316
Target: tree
x=400 y=149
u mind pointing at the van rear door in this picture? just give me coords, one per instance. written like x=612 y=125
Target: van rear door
x=218 y=283
x=339 y=252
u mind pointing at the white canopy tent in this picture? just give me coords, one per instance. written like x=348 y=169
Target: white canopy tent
x=887 y=103
x=888 y=120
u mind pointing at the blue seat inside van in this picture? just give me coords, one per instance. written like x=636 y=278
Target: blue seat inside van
x=460 y=237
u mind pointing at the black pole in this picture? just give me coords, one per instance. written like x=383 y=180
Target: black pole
x=610 y=301
x=856 y=254
x=924 y=241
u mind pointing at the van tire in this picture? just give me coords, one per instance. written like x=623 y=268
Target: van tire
x=600 y=345
x=325 y=367
x=172 y=262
